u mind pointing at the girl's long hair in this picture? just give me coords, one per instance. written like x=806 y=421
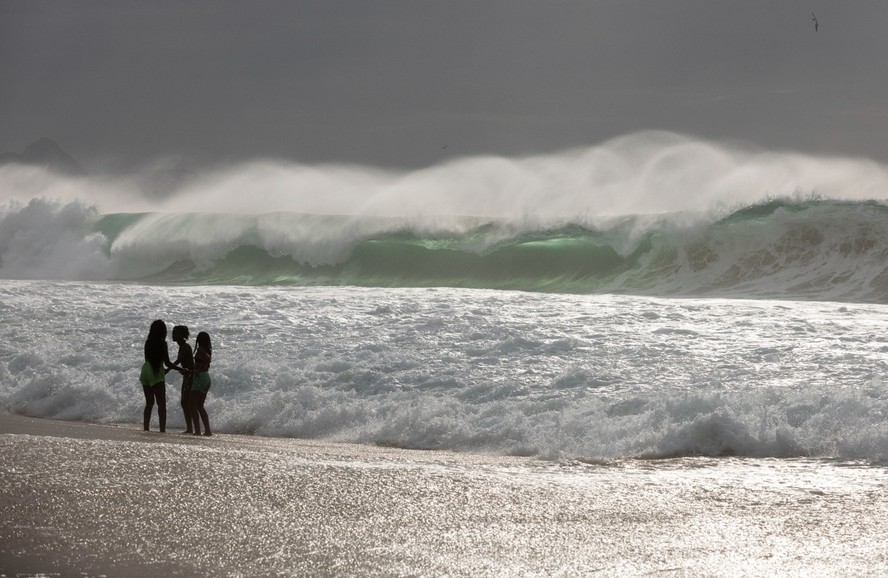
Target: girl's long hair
x=203 y=341
x=154 y=345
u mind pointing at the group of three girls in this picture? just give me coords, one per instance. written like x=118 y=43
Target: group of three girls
x=194 y=368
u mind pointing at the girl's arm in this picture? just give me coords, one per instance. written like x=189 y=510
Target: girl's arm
x=166 y=359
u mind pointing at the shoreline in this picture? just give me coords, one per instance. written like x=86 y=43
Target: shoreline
x=37 y=426
x=93 y=500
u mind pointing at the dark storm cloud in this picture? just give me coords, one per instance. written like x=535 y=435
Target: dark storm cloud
x=410 y=82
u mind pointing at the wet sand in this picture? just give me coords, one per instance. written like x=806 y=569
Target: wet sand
x=90 y=500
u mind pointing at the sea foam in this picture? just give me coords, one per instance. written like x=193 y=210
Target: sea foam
x=554 y=376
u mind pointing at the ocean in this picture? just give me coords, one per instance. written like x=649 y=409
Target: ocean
x=551 y=375
x=706 y=345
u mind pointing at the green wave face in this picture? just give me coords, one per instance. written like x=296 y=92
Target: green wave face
x=809 y=249
x=549 y=265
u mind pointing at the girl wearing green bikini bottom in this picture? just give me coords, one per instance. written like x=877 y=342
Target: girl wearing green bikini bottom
x=153 y=375
x=185 y=359
x=200 y=385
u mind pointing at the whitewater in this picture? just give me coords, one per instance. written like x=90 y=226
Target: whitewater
x=471 y=370
x=657 y=314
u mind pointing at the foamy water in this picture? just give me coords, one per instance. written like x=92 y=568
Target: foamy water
x=471 y=370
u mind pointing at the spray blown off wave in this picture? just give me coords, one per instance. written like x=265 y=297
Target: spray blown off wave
x=697 y=219
x=812 y=249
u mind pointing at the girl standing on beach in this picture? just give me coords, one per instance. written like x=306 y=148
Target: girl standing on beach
x=200 y=385
x=153 y=376
x=185 y=359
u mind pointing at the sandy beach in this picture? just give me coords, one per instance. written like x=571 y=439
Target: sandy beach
x=94 y=500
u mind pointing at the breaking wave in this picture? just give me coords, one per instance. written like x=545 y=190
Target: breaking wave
x=650 y=213
x=784 y=248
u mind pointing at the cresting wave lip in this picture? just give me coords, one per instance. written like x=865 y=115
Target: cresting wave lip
x=780 y=248
x=811 y=249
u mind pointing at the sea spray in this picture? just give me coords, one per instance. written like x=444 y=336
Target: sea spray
x=652 y=213
x=49 y=240
x=640 y=173
x=789 y=248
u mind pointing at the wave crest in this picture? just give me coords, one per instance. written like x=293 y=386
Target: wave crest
x=52 y=240
x=786 y=248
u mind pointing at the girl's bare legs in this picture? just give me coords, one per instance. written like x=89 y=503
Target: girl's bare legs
x=198 y=413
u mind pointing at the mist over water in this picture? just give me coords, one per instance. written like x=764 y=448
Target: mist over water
x=653 y=212
x=649 y=172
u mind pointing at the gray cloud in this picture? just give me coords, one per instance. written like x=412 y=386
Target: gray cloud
x=409 y=83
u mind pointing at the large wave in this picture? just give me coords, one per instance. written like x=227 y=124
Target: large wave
x=652 y=213
x=812 y=249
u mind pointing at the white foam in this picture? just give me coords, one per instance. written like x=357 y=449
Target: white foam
x=50 y=240
x=364 y=365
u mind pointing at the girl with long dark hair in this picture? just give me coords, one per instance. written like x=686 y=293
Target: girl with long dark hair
x=200 y=385
x=153 y=376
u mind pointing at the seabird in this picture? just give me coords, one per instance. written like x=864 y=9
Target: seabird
x=816 y=23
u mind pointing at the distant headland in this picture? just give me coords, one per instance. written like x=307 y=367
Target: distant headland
x=46 y=153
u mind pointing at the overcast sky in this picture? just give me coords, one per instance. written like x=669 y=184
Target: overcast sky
x=410 y=83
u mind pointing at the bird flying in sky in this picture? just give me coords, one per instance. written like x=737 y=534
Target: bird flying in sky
x=816 y=23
